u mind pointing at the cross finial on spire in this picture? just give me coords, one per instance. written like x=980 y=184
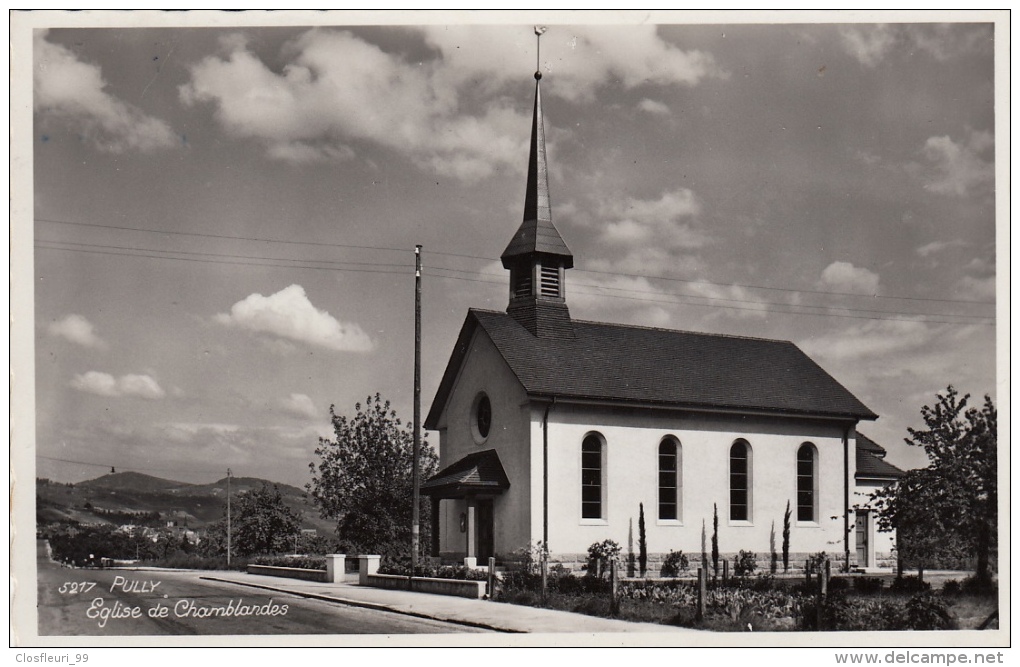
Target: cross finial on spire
x=539 y=31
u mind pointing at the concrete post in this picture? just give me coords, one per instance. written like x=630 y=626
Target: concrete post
x=491 y=587
x=335 y=564
x=472 y=529
x=367 y=565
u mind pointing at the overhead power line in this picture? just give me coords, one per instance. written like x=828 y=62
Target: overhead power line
x=492 y=259
x=122 y=467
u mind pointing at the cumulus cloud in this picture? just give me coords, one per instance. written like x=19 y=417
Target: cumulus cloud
x=580 y=58
x=873 y=338
x=957 y=168
x=868 y=44
x=104 y=384
x=74 y=91
x=845 y=277
x=653 y=107
x=450 y=113
x=299 y=405
x=936 y=247
x=640 y=222
x=290 y=315
x=336 y=89
x=76 y=329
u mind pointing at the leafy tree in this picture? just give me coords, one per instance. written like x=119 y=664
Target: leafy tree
x=642 y=541
x=363 y=480
x=262 y=523
x=950 y=507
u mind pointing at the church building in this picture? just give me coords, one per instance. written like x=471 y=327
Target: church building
x=557 y=430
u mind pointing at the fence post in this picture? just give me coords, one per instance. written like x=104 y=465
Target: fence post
x=492 y=577
x=807 y=571
x=701 y=594
x=614 y=603
x=823 y=589
x=725 y=572
x=335 y=565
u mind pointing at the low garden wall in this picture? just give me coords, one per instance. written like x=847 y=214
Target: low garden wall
x=289 y=572
x=474 y=590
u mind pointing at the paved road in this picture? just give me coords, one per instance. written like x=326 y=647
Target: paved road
x=128 y=600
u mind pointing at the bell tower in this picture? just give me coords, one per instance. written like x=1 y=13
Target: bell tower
x=537 y=257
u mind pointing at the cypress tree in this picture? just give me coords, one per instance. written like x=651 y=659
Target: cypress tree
x=642 y=542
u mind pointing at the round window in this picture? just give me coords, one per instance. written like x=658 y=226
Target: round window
x=482 y=420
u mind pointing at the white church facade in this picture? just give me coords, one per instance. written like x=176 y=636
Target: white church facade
x=556 y=430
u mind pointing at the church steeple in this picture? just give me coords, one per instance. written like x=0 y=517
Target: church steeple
x=537 y=256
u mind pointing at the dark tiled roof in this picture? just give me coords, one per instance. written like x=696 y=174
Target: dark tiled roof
x=479 y=471
x=617 y=363
x=872 y=467
x=866 y=443
x=537 y=237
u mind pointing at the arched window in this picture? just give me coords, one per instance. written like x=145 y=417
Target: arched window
x=807 y=480
x=593 y=472
x=670 y=480
x=740 y=481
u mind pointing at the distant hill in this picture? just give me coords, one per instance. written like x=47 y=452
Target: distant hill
x=131 y=481
x=131 y=497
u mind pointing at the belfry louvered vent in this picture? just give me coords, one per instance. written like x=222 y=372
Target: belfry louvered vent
x=522 y=283
x=550 y=285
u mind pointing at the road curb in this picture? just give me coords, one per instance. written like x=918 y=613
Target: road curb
x=367 y=605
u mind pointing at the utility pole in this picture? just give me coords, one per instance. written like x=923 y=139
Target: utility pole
x=415 y=472
x=228 y=518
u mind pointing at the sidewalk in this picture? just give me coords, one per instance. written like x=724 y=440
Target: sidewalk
x=484 y=614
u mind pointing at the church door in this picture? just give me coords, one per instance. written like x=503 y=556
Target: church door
x=485 y=530
x=862 y=538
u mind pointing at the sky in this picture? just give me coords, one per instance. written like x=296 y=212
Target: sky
x=224 y=218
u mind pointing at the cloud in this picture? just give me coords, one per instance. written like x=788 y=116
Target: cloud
x=289 y=314
x=935 y=247
x=451 y=113
x=76 y=329
x=300 y=405
x=873 y=43
x=104 y=384
x=959 y=168
x=867 y=44
x=580 y=59
x=653 y=107
x=979 y=289
x=874 y=338
x=336 y=90
x=74 y=91
x=641 y=222
x=845 y=277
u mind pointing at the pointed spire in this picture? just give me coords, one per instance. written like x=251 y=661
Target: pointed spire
x=537 y=235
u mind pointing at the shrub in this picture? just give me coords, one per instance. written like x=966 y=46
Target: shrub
x=676 y=562
x=840 y=612
x=928 y=611
x=599 y=556
x=909 y=584
x=974 y=585
x=867 y=585
x=303 y=563
x=816 y=561
x=952 y=587
x=838 y=584
x=744 y=563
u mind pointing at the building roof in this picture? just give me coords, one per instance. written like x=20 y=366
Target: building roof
x=871 y=466
x=475 y=473
x=658 y=367
x=537 y=234
x=867 y=444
